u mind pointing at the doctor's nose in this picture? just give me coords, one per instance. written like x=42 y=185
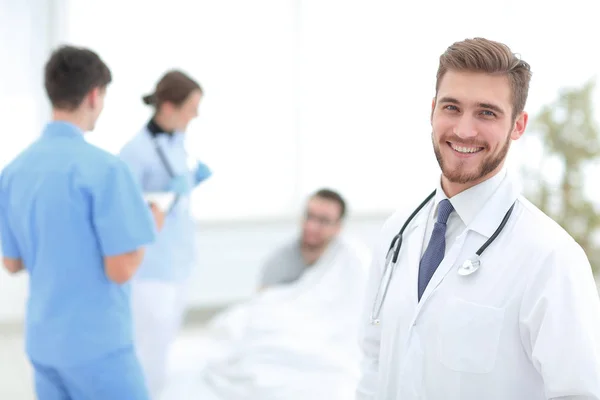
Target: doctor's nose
x=465 y=128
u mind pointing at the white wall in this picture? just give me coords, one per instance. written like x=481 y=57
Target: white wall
x=243 y=54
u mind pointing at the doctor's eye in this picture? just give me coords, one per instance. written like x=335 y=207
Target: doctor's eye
x=488 y=113
x=451 y=107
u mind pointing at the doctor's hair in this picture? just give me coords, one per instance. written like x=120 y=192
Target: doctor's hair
x=71 y=73
x=174 y=87
x=490 y=57
x=334 y=196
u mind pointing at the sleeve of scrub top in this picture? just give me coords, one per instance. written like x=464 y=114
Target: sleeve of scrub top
x=10 y=249
x=370 y=335
x=122 y=218
x=560 y=324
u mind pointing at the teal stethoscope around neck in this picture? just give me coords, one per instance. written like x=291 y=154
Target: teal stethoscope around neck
x=467 y=268
x=169 y=167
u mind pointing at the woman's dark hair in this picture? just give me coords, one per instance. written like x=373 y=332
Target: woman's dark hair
x=174 y=87
x=71 y=73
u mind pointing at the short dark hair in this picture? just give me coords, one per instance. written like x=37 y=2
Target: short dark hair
x=332 y=195
x=71 y=73
x=174 y=87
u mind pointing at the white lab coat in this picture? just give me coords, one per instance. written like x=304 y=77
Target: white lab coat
x=526 y=326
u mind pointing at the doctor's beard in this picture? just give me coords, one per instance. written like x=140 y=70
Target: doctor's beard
x=458 y=175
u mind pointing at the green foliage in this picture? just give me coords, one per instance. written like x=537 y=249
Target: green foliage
x=568 y=133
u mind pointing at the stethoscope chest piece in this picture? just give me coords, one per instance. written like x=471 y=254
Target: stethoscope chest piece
x=469 y=267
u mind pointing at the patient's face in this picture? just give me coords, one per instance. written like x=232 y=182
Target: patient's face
x=321 y=222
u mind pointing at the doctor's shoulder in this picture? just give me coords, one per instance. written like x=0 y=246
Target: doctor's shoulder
x=13 y=166
x=38 y=154
x=551 y=243
x=100 y=168
x=23 y=159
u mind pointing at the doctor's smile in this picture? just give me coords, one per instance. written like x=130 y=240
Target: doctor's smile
x=465 y=150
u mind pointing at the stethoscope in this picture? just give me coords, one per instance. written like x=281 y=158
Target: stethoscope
x=168 y=167
x=467 y=268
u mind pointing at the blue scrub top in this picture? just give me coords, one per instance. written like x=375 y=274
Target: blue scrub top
x=173 y=255
x=64 y=205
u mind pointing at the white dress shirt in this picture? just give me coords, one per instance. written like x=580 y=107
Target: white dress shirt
x=466 y=205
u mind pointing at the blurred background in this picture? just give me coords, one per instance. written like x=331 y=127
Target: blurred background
x=301 y=94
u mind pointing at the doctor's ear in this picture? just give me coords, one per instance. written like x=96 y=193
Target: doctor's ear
x=432 y=109
x=520 y=125
x=94 y=97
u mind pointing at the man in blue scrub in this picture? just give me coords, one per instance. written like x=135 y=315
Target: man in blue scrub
x=74 y=217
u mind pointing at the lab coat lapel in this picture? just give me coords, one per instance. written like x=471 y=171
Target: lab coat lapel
x=491 y=215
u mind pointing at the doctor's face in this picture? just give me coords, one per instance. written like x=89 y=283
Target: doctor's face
x=473 y=126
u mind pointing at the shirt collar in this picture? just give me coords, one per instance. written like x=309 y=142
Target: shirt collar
x=156 y=132
x=469 y=203
x=62 y=128
x=155 y=129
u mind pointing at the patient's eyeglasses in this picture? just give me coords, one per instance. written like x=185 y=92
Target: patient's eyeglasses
x=319 y=219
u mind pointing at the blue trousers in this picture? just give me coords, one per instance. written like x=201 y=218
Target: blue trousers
x=118 y=376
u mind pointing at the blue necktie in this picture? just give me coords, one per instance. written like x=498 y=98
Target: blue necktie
x=436 y=248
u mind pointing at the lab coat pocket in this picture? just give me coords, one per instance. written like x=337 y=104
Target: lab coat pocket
x=469 y=336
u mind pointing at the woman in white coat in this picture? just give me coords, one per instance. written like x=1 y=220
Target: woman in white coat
x=489 y=298
x=158 y=158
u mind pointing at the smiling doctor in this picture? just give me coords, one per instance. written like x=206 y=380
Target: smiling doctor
x=478 y=294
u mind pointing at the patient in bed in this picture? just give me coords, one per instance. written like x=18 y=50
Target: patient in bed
x=321 y=226
x=297 y=339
